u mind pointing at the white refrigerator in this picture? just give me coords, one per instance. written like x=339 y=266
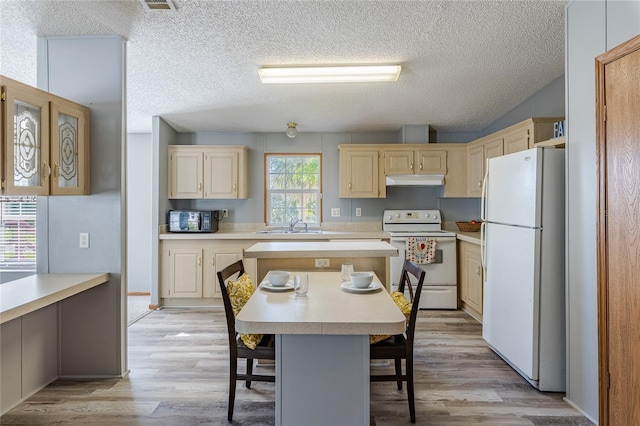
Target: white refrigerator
x=523 y=233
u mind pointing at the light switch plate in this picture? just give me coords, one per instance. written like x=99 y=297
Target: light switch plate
x=84 y=240
x=335 y=212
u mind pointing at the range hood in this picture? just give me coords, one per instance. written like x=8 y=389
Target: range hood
x=415 y=180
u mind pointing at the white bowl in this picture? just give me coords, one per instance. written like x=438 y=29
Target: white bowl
x=278 y=278
x=361 y=279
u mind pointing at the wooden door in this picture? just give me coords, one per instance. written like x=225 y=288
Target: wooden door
x=618 y=144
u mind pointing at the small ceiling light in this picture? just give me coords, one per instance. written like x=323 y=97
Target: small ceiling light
x=339 y=74
x=292 y=132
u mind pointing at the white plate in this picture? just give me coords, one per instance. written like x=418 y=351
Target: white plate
x=348 y=286
x=269 y=287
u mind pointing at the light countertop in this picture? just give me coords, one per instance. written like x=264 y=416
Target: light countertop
x=295 y=249
x=26 y=295
x=326 y=309
x=253 y=235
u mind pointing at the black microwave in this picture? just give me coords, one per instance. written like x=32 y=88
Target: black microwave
x=193 y=220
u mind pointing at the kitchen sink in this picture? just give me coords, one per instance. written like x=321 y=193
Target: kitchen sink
x=286 y=231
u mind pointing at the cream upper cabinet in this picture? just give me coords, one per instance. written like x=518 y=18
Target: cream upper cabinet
x=431 y=162
x=360 y=173
x=415 y=161
x=471 y=278
x=45 y=143
x=186 y=178
x=399 y=162
x=478 y=154
x=517 y=140
x=455 y=178
x=207 y=171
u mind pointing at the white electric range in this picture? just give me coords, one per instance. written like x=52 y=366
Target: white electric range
x=440 y=289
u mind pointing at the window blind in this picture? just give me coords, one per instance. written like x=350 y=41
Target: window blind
x=18 y=233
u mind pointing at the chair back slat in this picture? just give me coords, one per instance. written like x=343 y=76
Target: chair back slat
x=411 y=269
x=223 y=276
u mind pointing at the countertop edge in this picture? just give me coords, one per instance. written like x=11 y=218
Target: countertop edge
x=86 y=282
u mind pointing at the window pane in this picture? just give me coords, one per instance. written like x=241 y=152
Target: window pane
x=293 y=189
x=18 y=233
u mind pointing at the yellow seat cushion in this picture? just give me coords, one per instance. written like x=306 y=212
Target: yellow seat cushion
x=239 y=293
x=405 y=307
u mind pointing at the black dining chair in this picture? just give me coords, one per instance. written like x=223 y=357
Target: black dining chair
x=400 y=346
x=237 y=348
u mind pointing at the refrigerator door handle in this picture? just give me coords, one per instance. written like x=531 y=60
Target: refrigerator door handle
x=483 y=248
x=483 y=193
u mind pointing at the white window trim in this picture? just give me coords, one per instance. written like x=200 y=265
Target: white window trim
x=269 y=191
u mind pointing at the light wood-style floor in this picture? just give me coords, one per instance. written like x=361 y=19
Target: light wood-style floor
x=178 y=359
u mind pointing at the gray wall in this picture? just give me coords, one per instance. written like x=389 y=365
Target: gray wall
x=546 y=102
x=163 y=136
x=139 y=199
x=90 y=71
x=251 y=209
x=592 y=27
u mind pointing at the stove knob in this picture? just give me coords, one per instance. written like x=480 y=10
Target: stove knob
x=388 y=217
x=426 y=215
x=397 y=215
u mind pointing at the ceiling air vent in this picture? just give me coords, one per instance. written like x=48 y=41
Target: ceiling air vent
x=158 y=4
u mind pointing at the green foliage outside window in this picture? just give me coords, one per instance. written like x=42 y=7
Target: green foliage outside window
x=293 y=189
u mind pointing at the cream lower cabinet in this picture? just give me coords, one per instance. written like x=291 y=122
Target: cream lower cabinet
x=471 y=278
x=217 y=259
x=189 y=269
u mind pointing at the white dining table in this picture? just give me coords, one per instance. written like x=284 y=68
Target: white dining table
x=322 y=346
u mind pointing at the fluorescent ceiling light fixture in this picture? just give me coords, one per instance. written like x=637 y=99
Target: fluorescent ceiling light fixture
x=339 y=74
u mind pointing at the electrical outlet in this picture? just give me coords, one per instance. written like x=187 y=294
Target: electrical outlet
x=335 y=212
x=225 y=213
x=358 y=211
x=84 y=240
x=322 y=263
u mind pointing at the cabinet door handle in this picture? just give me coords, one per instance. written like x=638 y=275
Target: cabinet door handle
x=199 y=186
x=421 y=166
x=480 y=184
x=56 y=170
x=46 y=170
x=235 y=185
x=199 y=261
x=477 y=270
x=410 y=166
x=349 y=186
x=213 y=261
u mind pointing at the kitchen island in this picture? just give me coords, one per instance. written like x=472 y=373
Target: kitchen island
x=322 y=347
x=294 y=255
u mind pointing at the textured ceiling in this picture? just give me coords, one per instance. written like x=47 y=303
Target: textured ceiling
x=464 y=63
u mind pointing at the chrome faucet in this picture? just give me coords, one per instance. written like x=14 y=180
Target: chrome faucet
x=293 y=223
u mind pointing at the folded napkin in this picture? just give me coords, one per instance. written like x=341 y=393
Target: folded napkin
x=420 y=250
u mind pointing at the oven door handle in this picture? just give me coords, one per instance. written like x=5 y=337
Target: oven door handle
x=437 y=239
